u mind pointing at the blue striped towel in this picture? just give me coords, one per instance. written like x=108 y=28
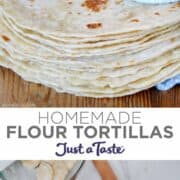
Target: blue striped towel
x=168 y=84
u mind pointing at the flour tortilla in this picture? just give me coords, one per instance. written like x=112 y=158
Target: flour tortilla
x=103 y=76
x=54 y=43
x=48 y=170
x=113 y=48
x=94 y=62
x=35 y=76
x=63 y=19
x=124 y=92
x=143 y=37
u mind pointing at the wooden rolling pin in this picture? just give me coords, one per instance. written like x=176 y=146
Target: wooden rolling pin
x=105 y=170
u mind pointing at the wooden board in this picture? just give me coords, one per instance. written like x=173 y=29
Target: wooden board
x=15 y=92
x=105 y=170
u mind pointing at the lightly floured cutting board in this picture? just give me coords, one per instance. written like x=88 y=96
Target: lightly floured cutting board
x=15 y=92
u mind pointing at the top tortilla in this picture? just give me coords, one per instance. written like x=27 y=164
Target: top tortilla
x=89 y=18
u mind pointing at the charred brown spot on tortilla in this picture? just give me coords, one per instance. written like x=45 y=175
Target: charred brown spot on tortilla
x=5 y=51
x=5 y=38
x=94 y=25
x=157 y=13
x=173 y=39
x=173 y=9
x=135 y=20
x=95 y=5
x=177 y=4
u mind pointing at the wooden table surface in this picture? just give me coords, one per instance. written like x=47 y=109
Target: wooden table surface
x=15 y=92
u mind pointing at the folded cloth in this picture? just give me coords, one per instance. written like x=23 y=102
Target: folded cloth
x=168 y=84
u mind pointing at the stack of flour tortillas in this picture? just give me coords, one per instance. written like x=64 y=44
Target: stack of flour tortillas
x=97 y=48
